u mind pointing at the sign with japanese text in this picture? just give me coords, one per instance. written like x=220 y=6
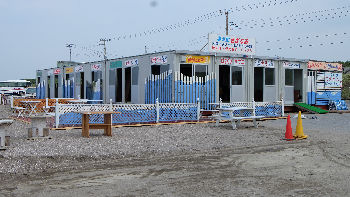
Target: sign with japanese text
x=133 y=62
x=226 y=61
x=231 y=44
x=264 y=63
x=79 y=69
x=238 y=62
x=69 y=70
x=159 y=60
x=56 y=71
x=192 y=59
x=96 y=67
x=291 y=65
x=334 y=66
x=116 y=64
x=333 y=80
x=233 y=61
x=316 y=65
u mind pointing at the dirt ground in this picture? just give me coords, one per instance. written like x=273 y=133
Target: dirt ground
x=318 y=166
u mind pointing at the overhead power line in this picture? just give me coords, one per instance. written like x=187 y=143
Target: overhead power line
x=202 y=18
x=303 y=37
x=313 y=16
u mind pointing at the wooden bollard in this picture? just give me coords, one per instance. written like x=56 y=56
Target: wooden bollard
x=30 y=132
x=46 y=132
x=7 y=140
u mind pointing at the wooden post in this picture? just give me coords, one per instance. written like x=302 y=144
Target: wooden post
x=7 y=140
x=107 y=120
x=85 y=126
x=30 y=132
x=46 y=132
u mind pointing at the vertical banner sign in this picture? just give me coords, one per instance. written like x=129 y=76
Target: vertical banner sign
x=231 y=44
x=264 y=63
x=334 y=66
x=79 y=69
x=192 y=59
x=133 y=62
x=96 y=67
x=159 y=60
x=291 y=65
x=316 y=65
x=56 y=71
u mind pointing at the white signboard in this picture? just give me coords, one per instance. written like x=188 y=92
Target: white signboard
x=233 y=61
x=133 y=62
x=96 y=67
x=79 y=69
x=291 y=65
x=333 y=80
x=159 y=60
x=264 y=63
x=231 y=44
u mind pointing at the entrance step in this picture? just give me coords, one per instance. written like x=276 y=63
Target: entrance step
x=309 y=108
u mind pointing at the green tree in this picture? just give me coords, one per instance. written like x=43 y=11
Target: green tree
x=346 y=87
x=345 y=64
x=32 y=82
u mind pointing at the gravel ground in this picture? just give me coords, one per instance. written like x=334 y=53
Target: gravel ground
x=67 y=146
x=176 y=158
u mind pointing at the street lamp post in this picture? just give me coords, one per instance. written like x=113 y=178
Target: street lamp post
x=70 y=51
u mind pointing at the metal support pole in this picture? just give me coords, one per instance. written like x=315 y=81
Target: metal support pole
x=198 y=109
x=57 y=115
x=110 y=105
x=282 y=107
x=253 y=103
x=157 y=110
x=226 y=13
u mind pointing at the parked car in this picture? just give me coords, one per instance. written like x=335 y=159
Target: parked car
x=30 y=92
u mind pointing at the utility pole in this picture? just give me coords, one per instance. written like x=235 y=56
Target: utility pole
x=226 y=13
x=103 y=42
x=70 y=51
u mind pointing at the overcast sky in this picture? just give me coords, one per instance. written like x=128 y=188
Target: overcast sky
x=34 y=32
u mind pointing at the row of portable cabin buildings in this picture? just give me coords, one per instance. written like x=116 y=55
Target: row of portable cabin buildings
x=188 y=76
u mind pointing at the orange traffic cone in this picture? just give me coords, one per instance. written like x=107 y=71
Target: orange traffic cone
x=289 y=133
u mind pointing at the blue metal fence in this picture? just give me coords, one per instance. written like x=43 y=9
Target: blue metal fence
x=130 y=113
x=185 y=89
x=189 y=89
x=159 y=86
